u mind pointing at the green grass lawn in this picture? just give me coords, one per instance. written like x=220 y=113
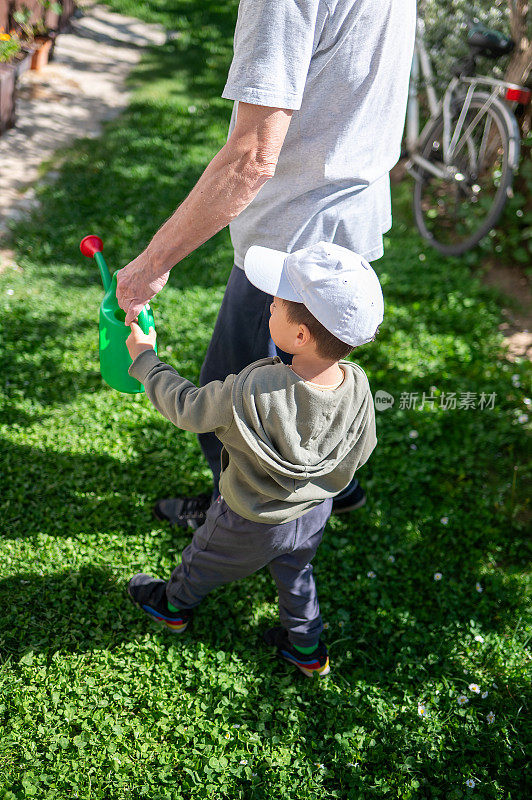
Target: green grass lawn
x=96 y=703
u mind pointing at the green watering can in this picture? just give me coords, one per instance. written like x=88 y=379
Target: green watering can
x=114 y=356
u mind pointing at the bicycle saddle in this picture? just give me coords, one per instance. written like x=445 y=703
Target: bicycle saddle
x=487 y=42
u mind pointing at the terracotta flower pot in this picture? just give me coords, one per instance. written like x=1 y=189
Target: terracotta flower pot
x=8 y=80
x=42 y=53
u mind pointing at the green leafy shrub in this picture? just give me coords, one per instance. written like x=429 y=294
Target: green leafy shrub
x=9 y=47
x=511 y=240
x=446 y=25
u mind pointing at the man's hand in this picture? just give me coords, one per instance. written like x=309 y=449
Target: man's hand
x=137 y=341
x=135 y=286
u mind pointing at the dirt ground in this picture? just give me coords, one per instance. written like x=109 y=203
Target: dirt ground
x=517 y=326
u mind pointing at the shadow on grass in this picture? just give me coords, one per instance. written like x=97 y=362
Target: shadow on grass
x=32 y=360
x=396 y=621
x=64 y=494
x=79 y=610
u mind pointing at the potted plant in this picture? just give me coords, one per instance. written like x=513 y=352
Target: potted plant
x=22 y=17
x=10 y=50
x=44 y=36
x=38 y=38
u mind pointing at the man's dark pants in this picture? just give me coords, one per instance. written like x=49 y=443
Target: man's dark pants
x=241 y=336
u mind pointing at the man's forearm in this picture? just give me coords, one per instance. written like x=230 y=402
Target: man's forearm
x=228 y=185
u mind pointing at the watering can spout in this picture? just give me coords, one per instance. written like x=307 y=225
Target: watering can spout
x=92 y=246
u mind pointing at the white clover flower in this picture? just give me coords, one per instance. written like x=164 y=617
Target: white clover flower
x=413 y=434
x=527 y=401
x=522 y=418
x=490 y=717
x=422 y=710
x=471 y=783
x=192 y=109
x=422 y=256
x=391 y=559
x=444 y=520
x=243 y=761
x=484 y=695
x=479 y=588
x=494 y=685
x=473 y=687
x=372 y=574
x=438 y=576
x=516 y=380
x=462 y=700
x=413 y=446
x=479 y=638
x=10 y=292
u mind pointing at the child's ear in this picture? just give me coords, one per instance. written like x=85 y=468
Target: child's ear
x=303 y=335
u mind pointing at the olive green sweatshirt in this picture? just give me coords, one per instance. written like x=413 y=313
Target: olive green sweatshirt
x=286 y=445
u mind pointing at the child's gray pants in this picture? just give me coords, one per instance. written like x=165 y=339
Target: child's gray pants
x=228 y=547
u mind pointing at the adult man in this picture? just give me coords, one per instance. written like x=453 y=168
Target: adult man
x=320 y=90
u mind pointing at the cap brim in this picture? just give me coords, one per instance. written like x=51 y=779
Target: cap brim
x=264 y=268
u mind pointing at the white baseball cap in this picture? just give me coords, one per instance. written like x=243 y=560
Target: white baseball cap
x=337 y=286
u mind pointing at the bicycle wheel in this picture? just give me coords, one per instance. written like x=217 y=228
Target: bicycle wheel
x=456 y=211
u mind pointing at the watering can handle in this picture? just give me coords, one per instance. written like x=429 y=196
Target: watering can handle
x=143 y=321
x=92 y=246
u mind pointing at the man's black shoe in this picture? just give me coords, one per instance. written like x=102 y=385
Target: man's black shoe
x=350 y=499
x=187 y=512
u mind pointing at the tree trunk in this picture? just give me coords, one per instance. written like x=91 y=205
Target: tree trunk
x=520 y=63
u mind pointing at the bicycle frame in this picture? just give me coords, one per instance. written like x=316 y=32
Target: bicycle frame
x=452 y=140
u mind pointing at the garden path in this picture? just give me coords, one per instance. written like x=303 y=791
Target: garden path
x=83 y=86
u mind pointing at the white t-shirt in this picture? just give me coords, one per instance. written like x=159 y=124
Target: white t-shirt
x=343 y=66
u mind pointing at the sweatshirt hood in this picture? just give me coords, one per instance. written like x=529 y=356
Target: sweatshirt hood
x=296 y=431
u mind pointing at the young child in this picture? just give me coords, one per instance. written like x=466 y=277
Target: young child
x=293 y=437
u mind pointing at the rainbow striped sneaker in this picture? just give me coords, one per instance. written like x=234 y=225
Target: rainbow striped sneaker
x=316 y=663
x=149 y=594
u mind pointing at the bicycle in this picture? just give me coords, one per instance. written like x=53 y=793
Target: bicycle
x=464 y=160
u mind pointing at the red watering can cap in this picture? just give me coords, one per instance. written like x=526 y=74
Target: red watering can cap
x=90 y=245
